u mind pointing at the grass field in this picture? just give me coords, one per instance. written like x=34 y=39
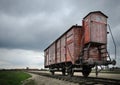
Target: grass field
x=12 y=77
x=108 y=71
x=111 y=72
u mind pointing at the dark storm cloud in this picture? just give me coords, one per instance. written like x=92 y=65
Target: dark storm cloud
x=25 y=7
x=34 y=24
x=30 y=24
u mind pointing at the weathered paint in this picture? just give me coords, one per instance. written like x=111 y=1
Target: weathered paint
x=95 y=28
x=66 y=48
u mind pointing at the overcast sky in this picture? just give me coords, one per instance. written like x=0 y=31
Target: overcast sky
x=27 y=27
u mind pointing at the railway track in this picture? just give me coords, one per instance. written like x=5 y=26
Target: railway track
x=81 y=80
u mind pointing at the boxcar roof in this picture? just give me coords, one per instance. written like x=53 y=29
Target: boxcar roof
x=64 y=34
x=95 y=12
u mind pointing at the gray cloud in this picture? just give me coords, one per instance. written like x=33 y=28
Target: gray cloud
x=32 y=29
x=34 y=24
x=25 y=7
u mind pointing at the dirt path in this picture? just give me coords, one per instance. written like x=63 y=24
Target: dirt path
x=41 y=80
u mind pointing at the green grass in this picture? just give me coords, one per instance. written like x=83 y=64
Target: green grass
x=111 y=72
x=108 y=71
x=12 y=77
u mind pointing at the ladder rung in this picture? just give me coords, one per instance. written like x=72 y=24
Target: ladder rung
x=101 y=48
x=103 y=52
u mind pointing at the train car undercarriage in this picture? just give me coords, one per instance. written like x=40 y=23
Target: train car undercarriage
x=81 y=65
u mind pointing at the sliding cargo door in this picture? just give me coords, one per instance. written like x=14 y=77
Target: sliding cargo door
x=77 y=43
x=70 y=46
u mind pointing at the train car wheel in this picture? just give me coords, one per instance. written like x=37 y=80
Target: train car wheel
x=52 y=72
x=63 y=72
x=70 y=72
x=86 y=71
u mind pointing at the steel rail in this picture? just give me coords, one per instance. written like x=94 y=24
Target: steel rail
x=82 y=80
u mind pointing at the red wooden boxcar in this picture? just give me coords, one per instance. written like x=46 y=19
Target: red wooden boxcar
x=66 y=48
x=80 y=47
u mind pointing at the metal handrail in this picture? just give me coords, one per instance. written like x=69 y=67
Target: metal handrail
x=112 y=39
